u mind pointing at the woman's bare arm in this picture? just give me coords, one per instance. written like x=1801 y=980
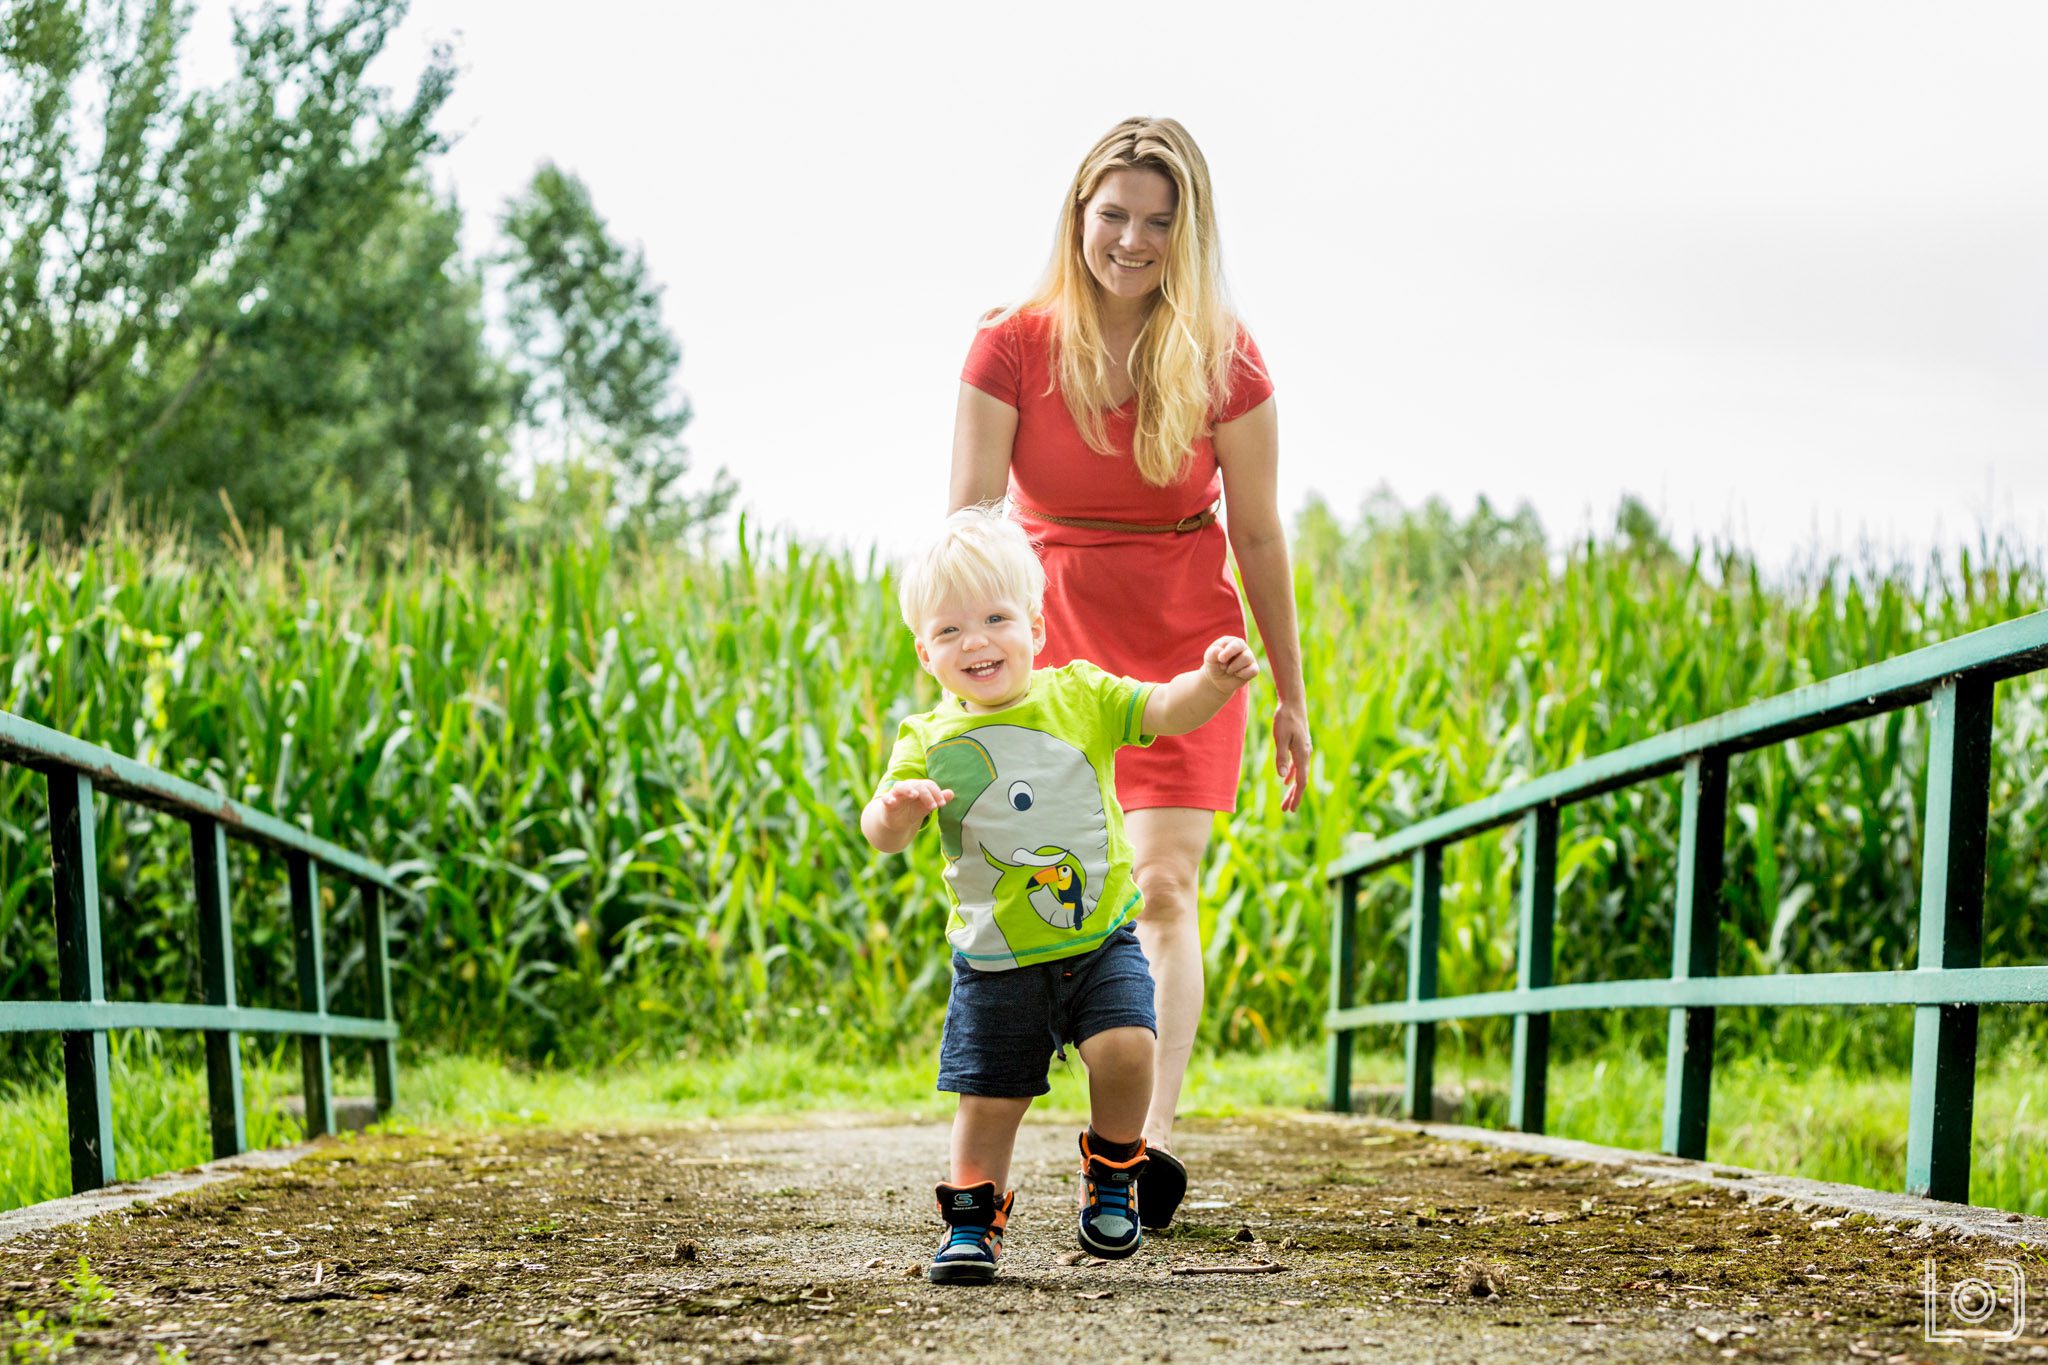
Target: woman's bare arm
x=984 y=431
x=1248 y=449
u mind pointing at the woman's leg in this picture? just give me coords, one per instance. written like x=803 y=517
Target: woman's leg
x=1166 y=845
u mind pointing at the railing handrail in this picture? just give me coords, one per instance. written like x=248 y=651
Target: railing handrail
x=24 y=742
x=1956 y=677
x=75 y=772
x=1994 y=653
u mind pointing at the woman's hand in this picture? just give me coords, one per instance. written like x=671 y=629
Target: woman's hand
x=1248 y=449
x=1291 y=750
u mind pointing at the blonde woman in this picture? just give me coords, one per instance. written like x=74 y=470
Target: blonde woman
x=1128 y=418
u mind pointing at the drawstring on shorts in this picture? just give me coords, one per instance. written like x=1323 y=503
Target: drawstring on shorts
x=1052 y=1002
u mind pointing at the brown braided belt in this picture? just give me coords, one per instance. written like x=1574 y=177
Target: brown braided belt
x=1195 y=522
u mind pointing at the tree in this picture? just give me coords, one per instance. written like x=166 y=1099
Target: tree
x=246 y=290
x=1638 y=532
x=1429 y=549
x=598 y=364
x=373 y=399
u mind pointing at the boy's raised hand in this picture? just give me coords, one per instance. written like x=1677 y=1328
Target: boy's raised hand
x=1229 y=663
x=906 y=804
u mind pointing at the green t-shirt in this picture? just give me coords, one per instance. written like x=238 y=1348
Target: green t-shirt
x=1036 y=858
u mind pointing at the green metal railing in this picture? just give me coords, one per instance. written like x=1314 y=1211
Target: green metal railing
x=1956 y=678
x=76 y=770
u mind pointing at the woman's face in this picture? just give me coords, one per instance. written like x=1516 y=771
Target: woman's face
x=1124 y=227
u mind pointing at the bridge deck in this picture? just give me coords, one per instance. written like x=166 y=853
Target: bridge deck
x=774 y=1242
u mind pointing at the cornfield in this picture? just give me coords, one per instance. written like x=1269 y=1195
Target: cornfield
x=624 y=783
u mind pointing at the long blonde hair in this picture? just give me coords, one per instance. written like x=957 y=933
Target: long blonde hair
x=1182 y=358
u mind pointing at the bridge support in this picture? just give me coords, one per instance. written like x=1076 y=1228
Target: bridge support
x=1695 y=932
x=309 y=953
x=383 y=1052
x=1951 y=936
x=1425 y=920
x=217 y=971
x=1343 y=985
x=82 y=978
x=1535 y=964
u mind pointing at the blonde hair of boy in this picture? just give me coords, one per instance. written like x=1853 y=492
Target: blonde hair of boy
x=1181 y=360
x=980 y=552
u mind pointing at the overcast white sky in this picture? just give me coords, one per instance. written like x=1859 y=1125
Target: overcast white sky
x=1781 y=269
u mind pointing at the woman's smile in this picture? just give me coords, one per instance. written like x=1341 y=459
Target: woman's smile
x=1126 y=228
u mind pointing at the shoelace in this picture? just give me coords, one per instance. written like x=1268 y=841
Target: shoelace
x=1114 y=1199
x=963 y=1236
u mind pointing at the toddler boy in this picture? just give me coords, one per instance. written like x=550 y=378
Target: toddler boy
x=1019 y=764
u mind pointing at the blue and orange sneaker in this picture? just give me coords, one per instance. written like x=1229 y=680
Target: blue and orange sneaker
x=975 y=1220
x=1109 y=1202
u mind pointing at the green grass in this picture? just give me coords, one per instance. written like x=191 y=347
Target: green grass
x=450 y=1091
x=160 y=1103
x=1817 y=1120
x=160 y=1115
x=1824 y=1120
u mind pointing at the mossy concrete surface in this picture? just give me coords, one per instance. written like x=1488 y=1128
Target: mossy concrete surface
x=1304 y=1237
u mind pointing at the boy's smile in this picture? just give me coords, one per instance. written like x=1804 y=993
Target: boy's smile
x=981 y=649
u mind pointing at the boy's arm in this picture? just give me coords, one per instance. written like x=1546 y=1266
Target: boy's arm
x=892 y=819
x=1177 y=707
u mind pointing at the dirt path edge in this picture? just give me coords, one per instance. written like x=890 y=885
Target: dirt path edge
x=1963 y=1220
x=77 y=1208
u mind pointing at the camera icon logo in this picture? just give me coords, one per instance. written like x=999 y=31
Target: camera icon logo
x=1971 y=1308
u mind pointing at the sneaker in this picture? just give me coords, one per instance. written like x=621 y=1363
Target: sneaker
x=1161 y=1188
x=974 y=1233
x=1109 y=1203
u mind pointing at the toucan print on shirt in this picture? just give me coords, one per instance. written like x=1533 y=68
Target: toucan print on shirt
x=1036 y=858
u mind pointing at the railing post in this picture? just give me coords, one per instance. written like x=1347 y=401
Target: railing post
x=1424 y=924
x=217 y=972
x=1695 y=936
x=88 y=1085
x=315 y=1059
x=1534 y=964
x=1343 y=971
x=383 y=1052
x=1951 y=936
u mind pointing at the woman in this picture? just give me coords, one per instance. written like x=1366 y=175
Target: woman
x=1112 y=408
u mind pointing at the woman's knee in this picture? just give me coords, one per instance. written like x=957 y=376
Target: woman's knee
x=1171 y=895
x=1166 y=847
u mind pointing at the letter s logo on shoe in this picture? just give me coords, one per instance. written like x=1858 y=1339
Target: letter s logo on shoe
x=963 y=1201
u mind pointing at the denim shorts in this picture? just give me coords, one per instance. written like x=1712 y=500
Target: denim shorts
x=1002 y=1028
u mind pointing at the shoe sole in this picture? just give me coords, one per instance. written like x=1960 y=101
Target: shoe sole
x=961 y=1274
x=1109 y=1253
x=1161 y=1186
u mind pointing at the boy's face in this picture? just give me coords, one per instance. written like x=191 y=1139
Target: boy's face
x=981 y=649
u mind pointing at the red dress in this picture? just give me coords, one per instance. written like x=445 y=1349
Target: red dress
x=1140 y=604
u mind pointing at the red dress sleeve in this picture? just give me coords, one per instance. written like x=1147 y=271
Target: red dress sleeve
x=1250 y=385
x=993 y=365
